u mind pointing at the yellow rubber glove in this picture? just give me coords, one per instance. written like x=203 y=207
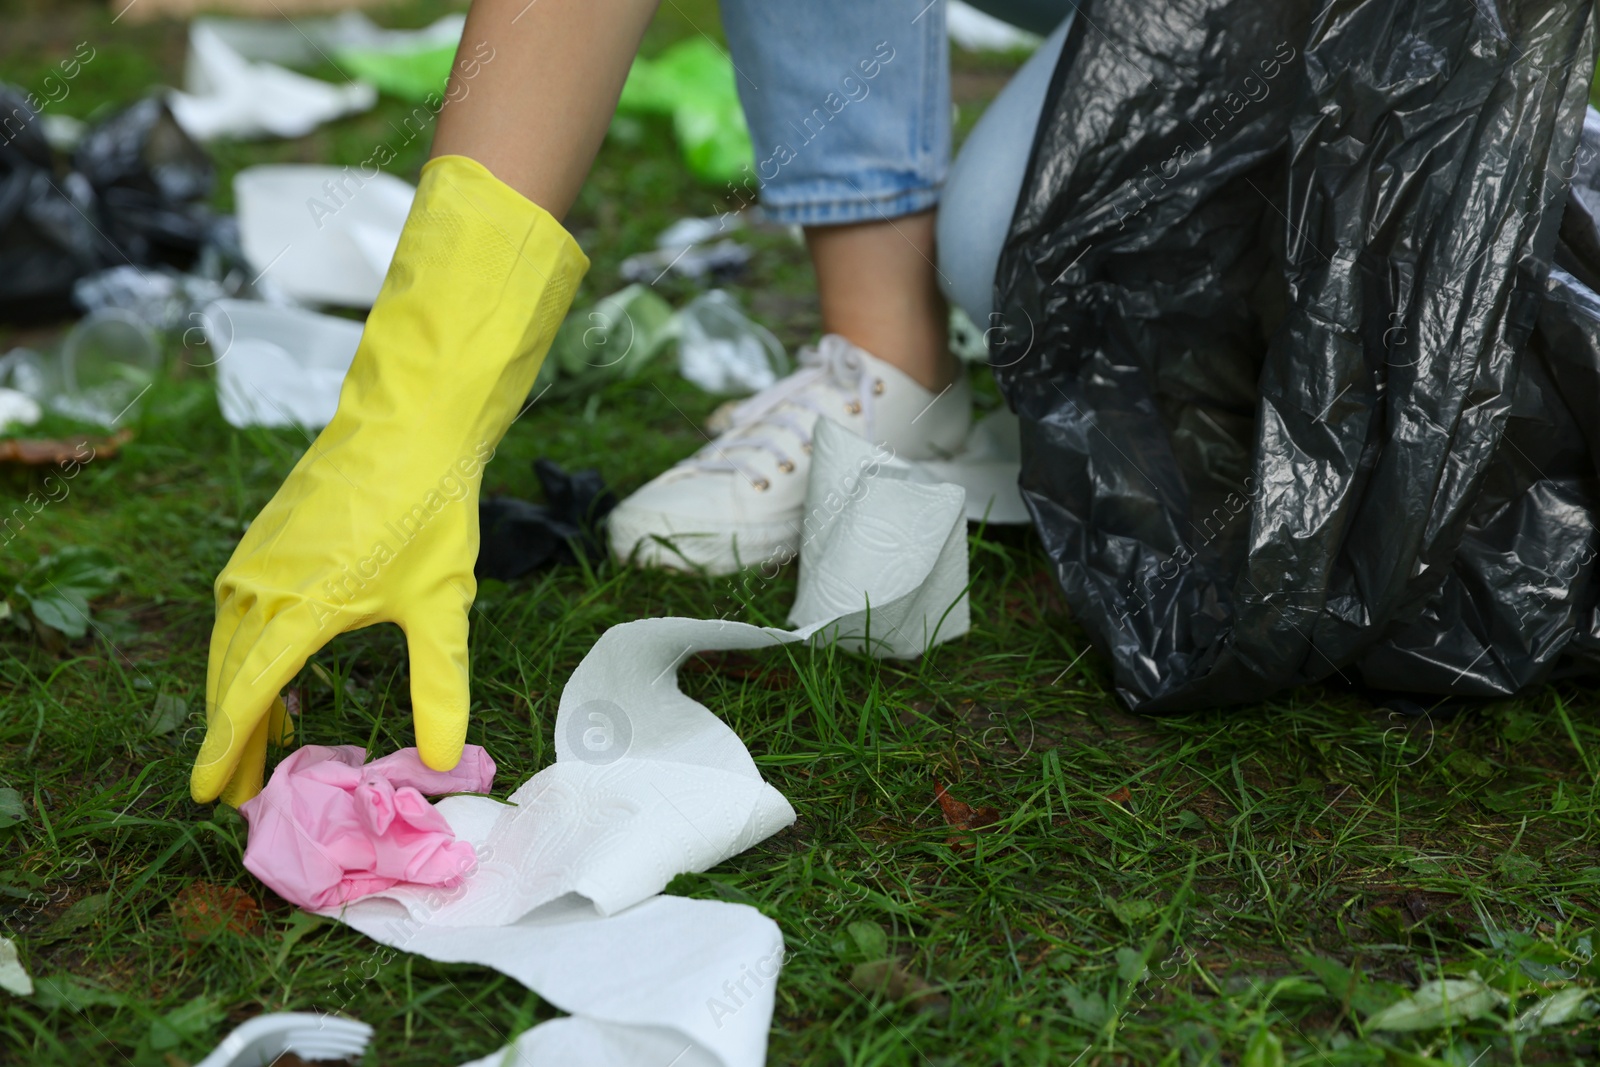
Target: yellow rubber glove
x=378 y=522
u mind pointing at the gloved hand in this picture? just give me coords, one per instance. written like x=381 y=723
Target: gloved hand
x=378 y=522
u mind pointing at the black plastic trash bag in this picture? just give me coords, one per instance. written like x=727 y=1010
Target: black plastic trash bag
x=516 y=537
x=1301 y=397
x=134 y=192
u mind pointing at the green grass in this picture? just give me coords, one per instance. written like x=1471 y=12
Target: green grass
x=1155 y=890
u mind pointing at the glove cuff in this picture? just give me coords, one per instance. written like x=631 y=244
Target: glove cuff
x=480 y=282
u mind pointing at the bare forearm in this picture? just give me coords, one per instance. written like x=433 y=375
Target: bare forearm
x=536 y=113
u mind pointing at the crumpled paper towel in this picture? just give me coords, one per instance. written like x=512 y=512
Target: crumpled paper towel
x=648 y=784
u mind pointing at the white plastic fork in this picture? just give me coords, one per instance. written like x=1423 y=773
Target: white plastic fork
x=308 y=1035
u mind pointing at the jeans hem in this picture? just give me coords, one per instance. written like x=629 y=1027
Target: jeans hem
x=857 y=208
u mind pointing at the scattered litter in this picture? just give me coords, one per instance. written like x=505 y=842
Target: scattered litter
x=516 y=537
x=721 y=261
x=722 y=351
x=974 y=31
x=324 y=234
x=13 y=978
x=987 y=467
x=227 y=95
x=648 y=783
x=59 y=452
x=410 y=64
x=406 y=63
x=278 y=366
x=692 y=230
x=693 y=82
x=966 y=340
x=686 y=249
x=330 y=828
x=17 y=409
x=133 y=192
x=617 y=338
x=109 y=359
x=105 y=365
x=203 y=910
x=160 y=297
x=277 y=1036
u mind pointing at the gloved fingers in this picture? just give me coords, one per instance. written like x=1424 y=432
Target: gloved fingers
x=440 y=690
x=251 y=661
x=248 y=772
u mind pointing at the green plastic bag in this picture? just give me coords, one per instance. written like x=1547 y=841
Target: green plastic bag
x=693 y=83
x=614 y=339
x=411 y=76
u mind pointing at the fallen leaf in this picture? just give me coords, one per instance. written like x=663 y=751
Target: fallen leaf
x=67 y=991
x=963 y=816
x=83 y=912
x=45 y=452
x=1441 y=1002
x=1264 y=1049
x=11 y=809
x=869 y=939
x=892 y=981
x=203 y=910
x=1121 y=796
x=184 y=1024
x=166 y=715
x=1556 y=1009
x=13 y=979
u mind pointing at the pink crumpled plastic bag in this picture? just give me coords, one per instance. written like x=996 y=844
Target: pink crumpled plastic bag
x=327 y=829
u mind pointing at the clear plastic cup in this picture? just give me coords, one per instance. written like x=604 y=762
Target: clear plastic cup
x=108 y=362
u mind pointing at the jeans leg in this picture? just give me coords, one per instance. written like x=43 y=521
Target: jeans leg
x=848 y=105
x=981 y=192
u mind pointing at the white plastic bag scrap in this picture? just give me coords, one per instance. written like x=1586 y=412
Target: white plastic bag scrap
x=723 y=351
x=278 y=366
x=323 y=235
x=227 y=95
x=974 y=31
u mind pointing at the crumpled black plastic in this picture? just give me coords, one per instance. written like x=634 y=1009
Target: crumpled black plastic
x=133 y=192
x=1302 y=398
x=516 y=537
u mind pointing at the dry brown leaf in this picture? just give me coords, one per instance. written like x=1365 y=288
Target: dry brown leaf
x=961 y=816
x=203 y=909
x=46 y=452
x=1121 y=796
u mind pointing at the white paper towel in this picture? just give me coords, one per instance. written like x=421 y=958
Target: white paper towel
x=649 y=784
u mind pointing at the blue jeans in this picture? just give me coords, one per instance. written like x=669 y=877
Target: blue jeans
x=849 y=111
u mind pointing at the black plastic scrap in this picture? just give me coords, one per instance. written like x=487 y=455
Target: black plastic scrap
x=1302 y=397
x=516 y=537
x=133 y=192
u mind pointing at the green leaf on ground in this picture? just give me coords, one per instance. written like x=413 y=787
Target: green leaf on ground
x=1439 y=1003
x=11 y=810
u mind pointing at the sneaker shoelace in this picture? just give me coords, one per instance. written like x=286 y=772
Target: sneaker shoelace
x=834 y=363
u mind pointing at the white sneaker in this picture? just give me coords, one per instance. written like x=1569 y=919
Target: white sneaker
x=738 y=502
